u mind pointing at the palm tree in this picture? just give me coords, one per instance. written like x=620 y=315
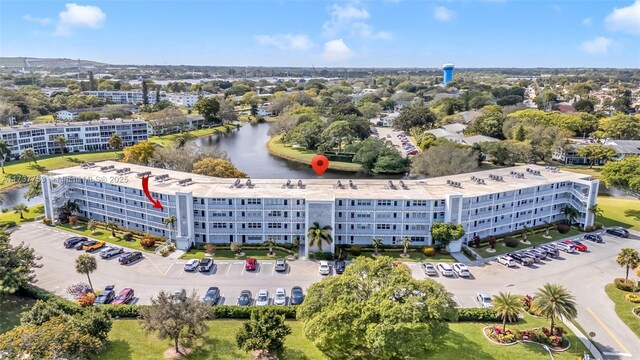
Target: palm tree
x=71 y=206
x=596 y=211
x=317 y=235
x=628 y=257
x=571 y=213
x=376 y=244
x=547 y=228
x=271 y=242
x=553 y=301
x=92 y=226
x=86 y=264
x=5 y=151
x=405 y=243
x=508 y=306
x=29 y=155
x=525 y=233
x=61 y=141
x=112 y=226
x=115 y=141
x=20 y=209
x=170 y=223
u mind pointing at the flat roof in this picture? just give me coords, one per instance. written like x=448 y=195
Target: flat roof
x=70 y=124
x=324 y=189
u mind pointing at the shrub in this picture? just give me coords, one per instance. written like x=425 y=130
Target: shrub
x=624 y=285
x=597 y=226
x=470 y=254
x=589 y=228
x=563 y=228
x=287 y=246
x=124 y=311
x=324 y=256
x=86 y=299
x=558 y=331
x=46 y=221
x=167 y=249
x=5 y=210
x=128 y=236
x=8 y=224
x=511 y=242
x=477 y=314
x=73 y=221
x=244 y=312
x=355 y=250
x=634 y=298
x=429 y=251
x=147 y=241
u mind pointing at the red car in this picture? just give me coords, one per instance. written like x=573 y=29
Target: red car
x=576 y=244
x=251 y=264
x=124 y=297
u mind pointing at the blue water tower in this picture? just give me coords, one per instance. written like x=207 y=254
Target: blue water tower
x=448 y=73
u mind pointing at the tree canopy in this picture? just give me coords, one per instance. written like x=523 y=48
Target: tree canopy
x=444 y=159
x=445 y=233
x=17 y=264
x=217 y=167
x=624 y=174
x=208 y=108
x=415 y=115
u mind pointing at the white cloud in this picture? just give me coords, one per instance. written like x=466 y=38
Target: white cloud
x=626 y=19
x=366 y=31
x=597 y=46
x=37 y=20
x=586 y=21
x=337 y=51
x=286 y=41
x=441 y=13
x=341 y=16
x=79 y=16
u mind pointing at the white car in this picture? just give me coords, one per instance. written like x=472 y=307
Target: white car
x=506 y=261
x=484 y=300
x=461 y=270
x=263 y=298
x=429 y=269
x=192 y=265
x=323 y=267
x=280 y=298
x=445 y=269
x=565 y=247
x=111 y=251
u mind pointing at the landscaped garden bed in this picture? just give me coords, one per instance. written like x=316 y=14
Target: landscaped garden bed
x=556 y=341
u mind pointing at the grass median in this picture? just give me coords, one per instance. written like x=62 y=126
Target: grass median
x=105 y=235
x=29 y=216
x=619 y=212
x=304 y=156
x=624 y=307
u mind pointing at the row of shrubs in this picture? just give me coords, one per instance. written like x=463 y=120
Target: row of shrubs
x=357 y=250
x=135 y=234
x=594 y=227
x=470 y=254
x=278 y=247
x=7 y=224
x=625 y=285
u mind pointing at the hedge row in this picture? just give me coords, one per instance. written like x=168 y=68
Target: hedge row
x=250 y=247
x=477 y=314
x=470 y=254
x=7 y=224
x=624 y=285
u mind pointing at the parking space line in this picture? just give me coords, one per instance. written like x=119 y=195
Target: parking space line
x=475 y=301
x=617 y=341
x=166 y=272
x=154 y=265
x=455 y=298
x=242 y=273
x=229 y=269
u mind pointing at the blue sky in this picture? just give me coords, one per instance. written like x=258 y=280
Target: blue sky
x=383 y=33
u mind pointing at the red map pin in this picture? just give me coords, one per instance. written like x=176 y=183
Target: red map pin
x=320 y=163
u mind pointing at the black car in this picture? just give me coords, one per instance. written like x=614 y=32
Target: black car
x=245 y=298
x=205 y=265
x=129 y=257
x=593 y=237
x=618 y=232
x=340 y=265
x=212 y=296
x=84 y=243
x=73 y=241
x=522 y=259
x=106 y=296
x=297 y=296
x=551 y=250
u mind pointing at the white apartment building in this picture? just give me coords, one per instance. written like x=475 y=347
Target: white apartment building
x=66 y=115
x=183 y=99
x=81 y=136
x=126 y=97
x=215 y=210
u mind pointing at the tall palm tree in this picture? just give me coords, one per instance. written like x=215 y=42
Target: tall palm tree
x=405 y=244
x=92 y=226
x=170 y=223
x=20 y=209
x=628 y=257
x=316 y=235
x=508 y=306
x=71 y=206
x=571 y=213
x=271 y=242
x=596 y=211
x=115 y=141
x=5 y=151
x=376 y=244
x=112 y=226
x=61 y=141
x=553 y=301
x=86 y=264
x=29 y=155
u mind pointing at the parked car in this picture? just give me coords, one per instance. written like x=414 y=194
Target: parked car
x=245 y=298
x=445 y=269
x=111 y=251
x=428 y=269
x=129 y=257
x=535 y=256
x=577 y=244
x=568 y=248
x=81 y=244
x=251 y=264
x=297 y=295
x=551 y=250
x=541 y=253
x=106 y=296
x=280 y=298
x=206 y=265
x=506 y=261
x=93 y=245
x=124 y=297
x=618 y=231
x=263 y=298
x=484 y=300
x=281 y=265
x=73 y=241
x=340 y=266
x=323 y=268
x=412 y=152
x=192 y=265
x=212 y=296
x=177 y=294
x=521 y=259
x=461 y=270
x=593 y=237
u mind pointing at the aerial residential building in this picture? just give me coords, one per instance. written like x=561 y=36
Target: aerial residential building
x=250 y=211
x=184 y=99
x=126 y=97
x=66 y=115
x=568 y=154
x=81 y=136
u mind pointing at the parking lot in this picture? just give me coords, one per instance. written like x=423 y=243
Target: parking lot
x=388 y=133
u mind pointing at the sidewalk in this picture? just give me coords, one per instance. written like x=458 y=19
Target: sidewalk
x=587 y=343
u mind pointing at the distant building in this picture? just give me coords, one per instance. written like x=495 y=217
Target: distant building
x=183 y=99
x=53 y=90
x=447 y=73
x=66 y=115
x=568 y=154
x=126 y=97
x=388 y=120
x=264 y=111
x=175 y=125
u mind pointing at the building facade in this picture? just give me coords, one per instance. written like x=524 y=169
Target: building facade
x=81 y=136
x=214 y=210
x=126 y=97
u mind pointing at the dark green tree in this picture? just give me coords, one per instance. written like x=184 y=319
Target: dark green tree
x=145 y=93
x=445 y=233
x=266 y=330
x=208 y=108
x=17 y=264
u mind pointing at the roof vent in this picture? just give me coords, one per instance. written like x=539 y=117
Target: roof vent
x=301 y=185
x=143 y=174
x=287 y=185
x=249 y=184
x=87 y=165
x=123 y=171
x=339 y=185
x=236 y=184
x=185 y=182
x=403 y=185
x=161 y=178
x=391 y=185
x=352 y=185
x=107 y=168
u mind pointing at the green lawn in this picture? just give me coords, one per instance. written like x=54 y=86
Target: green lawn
x=229 y=255
x=416 y=256
x=465 y=341
x=34 y=212
x=47 y=163
x=43 y=119
x=11 y=307
x=619 y=212
x=583 y=169
x=304 y=156
x=535 y=239
x=623 y=307
x=105 y=235
x=165 y=140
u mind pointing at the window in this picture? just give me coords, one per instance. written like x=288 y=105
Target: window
x=254 y=225
x=271 y=201
x=384 y=202
x=383 y=226
x=218 y=225
x=254 y=201
x=419 y=215
x=274 y=213
x=364 y=202
x=363 y=226
x=274 y=225
x=420 y=203
x=363 y=215
x=218 y=214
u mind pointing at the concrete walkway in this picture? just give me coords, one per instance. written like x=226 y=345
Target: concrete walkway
x=587 y=343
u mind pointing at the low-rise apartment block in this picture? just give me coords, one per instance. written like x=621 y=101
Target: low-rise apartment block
x=126 y=97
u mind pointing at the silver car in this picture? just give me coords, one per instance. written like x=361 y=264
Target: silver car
x=110 y=252
x=445 y=269
x=565 y=247
x=280 y=298
x=429 y=269
x=263 y=298
x=484 y=300
x=281 y=265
